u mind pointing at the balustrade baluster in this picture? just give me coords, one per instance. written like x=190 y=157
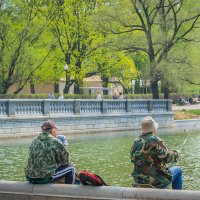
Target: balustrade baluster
x=46 y=107
x=20 y=107
x=2 y=108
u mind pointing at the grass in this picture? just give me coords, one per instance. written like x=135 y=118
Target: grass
x=195 y=112
x=187 y=114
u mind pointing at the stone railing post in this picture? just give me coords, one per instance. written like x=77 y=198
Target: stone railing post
x=11 y=108
x=169 y=105
x=150 y=105
x=104 y=107
x=128 y=106
x=46 y=107
x=77 y=107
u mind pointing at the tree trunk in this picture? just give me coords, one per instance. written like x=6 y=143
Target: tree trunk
x=77 y=89
x=67 y=83
x=154 y=89
x=166 y=92
x=56 y=88
x=67 y=75
x=4 y=90
x=105 y=81
x=32 y=88
x=5 y=86
x=66 y=89
x=105 y=92
x=78 y=84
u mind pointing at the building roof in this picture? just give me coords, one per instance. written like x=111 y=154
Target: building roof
x=88 y=79
x=96 y=88
x=93 y=78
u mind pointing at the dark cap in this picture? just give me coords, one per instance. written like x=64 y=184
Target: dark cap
x=48 y=125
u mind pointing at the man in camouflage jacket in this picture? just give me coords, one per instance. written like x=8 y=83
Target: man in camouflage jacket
x=150 y=156
x=48 y=158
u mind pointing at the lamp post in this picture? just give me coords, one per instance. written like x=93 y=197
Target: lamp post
x=66 y=88
x=66 y=67
x=133 y=86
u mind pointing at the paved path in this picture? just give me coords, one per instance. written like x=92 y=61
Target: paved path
x=190 y=107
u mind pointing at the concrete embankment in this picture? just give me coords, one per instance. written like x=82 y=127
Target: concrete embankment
x=187 y=125
x=10 y=190
x=13 y=127
x=178 y=126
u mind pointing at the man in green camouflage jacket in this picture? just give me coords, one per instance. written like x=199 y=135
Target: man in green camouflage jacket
x=48 y=159
x=150 y=156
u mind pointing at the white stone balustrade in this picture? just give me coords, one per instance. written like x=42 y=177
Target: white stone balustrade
x=40 y=107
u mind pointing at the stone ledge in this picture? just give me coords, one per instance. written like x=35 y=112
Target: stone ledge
x=21 y=190
x=83 y=115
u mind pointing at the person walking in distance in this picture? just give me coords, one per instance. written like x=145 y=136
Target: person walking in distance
x=98 y=96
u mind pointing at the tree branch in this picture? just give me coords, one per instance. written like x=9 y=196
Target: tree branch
x=32 y=72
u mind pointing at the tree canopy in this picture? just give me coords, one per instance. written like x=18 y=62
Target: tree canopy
x=154 y=28
x=154 y=40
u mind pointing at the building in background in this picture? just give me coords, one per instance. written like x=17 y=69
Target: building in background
x=91 y=85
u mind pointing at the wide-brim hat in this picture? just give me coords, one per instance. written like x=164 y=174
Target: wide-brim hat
x=148 y=124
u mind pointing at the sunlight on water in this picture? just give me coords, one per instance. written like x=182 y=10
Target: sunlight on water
x=107 y=156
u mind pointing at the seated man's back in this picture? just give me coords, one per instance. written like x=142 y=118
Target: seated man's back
x=47 y=156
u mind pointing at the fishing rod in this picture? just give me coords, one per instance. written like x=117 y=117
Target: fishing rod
x=180 y=150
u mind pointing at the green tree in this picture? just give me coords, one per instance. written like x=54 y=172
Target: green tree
x=71 y=26
x=20 y=30
x=153 y=27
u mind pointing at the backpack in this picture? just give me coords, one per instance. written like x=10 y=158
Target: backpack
x=87 y=178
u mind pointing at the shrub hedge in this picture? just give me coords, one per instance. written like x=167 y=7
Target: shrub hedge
x=173 y=96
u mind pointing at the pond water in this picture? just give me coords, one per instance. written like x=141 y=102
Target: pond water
x=107 y=156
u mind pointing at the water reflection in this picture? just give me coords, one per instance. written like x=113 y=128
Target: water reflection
x=106 y=155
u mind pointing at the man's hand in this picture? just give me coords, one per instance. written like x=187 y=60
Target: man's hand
x=176 y=154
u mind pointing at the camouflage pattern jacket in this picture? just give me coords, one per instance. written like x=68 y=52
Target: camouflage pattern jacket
x=150 y=155
x=46 y=154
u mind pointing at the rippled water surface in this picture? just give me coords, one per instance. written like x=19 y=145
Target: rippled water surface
x=107 y=156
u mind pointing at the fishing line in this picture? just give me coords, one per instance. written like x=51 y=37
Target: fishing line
x=180 y=150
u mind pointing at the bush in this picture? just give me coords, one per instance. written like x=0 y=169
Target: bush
x=44 y=96
x=194 y=112
x=23 y=96
x=173 y=96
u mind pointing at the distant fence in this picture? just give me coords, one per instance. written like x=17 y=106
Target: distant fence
x=40 y=107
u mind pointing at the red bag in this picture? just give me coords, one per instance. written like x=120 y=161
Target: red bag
x=88 y=178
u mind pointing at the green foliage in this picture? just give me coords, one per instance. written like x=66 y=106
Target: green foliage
x=44 y=96
x=71 y=27
x=20 y=28
x=23 y=96
x=122 y=39
x=188 y=88
x=195 y=112
x=158 y=29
